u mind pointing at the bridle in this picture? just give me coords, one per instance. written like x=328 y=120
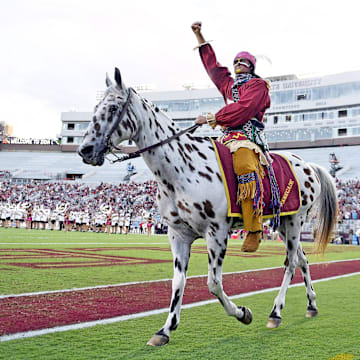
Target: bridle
x=120 y=113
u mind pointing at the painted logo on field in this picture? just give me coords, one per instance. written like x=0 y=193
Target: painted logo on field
x=92 y=257
x=89 y=258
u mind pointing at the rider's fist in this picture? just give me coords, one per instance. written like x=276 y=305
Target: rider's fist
x=196 y=27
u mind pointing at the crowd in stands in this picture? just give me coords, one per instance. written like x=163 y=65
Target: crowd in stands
x=76 y=206
x=349 y=211
x=123 y=208
x=5 y=174
x=349 y=199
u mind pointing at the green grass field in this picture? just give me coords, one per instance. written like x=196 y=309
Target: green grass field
x=204 y=332
x=16 y=279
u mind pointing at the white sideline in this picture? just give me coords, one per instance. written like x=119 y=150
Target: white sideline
x=151 y=281
x=89 y=324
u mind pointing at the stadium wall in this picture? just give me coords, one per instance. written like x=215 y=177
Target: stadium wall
x=30 y=147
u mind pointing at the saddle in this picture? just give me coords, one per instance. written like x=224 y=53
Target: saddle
x=287 y=181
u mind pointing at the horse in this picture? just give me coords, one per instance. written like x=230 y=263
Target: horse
x=191 y=198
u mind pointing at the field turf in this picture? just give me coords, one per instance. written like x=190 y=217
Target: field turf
x=32 y=261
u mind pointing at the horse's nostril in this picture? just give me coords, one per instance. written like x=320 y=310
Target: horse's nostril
x=86 y=150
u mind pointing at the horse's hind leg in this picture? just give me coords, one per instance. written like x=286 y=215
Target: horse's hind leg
x=312 y=310
x=180 y=248
x=216 y=252
x=290 y=232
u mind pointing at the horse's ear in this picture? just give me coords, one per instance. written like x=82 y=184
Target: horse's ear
x=118 y=78
x=108 y=81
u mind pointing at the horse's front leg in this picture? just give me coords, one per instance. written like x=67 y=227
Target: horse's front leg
x=180 y=247
x=312 y=310
x=290 y=233
x=216 y=244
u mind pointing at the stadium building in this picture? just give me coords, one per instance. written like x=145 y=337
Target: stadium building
x=318 y=112
x=311 y=112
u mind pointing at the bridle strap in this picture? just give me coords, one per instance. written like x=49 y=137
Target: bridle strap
x=118 y=117
x=163 y=142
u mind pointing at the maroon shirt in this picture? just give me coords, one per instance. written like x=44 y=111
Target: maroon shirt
x=254 y=94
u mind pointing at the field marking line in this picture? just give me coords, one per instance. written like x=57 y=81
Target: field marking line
x=117 y=319
x=153 y=281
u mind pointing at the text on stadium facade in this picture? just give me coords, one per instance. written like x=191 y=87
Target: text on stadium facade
x=295 y=84
x=30 y=141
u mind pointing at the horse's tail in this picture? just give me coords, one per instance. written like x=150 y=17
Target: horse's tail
x=327 y=209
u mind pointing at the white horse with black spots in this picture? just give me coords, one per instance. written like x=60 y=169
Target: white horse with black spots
x=191 y=198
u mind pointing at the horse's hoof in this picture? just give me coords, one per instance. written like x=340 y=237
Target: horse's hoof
x=273 y=323
x=247 y=317
x=311 y=313
x=158 y=340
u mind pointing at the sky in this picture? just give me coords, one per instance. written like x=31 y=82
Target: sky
x=55 y=54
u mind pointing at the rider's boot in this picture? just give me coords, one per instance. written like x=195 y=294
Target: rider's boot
x=252 y=241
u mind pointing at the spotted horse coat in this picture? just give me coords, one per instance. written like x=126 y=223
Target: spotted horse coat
x=192 y=201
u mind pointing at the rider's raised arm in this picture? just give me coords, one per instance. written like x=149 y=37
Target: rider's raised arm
x=220 y=75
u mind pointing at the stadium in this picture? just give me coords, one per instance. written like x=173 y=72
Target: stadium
x=92 y=260
x=98 y=262
x=87 y=252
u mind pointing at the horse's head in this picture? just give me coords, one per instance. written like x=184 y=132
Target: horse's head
x=110 y=123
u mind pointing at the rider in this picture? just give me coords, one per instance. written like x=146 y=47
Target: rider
x=241 y=120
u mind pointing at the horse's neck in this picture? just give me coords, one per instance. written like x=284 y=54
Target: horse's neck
x=154 y=127
x=175 y=162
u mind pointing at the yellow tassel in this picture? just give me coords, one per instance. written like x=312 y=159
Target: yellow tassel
x=258 y=214
x=261 y=172
x=246 y=191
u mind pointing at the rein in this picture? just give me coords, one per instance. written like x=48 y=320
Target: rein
x=136 y=154
x=119 y=116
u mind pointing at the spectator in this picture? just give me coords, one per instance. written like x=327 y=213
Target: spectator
x=82 y=203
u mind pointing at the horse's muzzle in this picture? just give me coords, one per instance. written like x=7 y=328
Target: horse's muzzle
x=91 y=157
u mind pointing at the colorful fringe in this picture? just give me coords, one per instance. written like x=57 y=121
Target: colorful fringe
x=246 y=186
x=275 y=203
x=259 y=195
x=250 y=186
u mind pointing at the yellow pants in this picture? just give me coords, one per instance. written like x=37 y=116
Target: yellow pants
x=246 y=161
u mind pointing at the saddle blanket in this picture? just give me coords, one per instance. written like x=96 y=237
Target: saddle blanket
x=287 y=181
